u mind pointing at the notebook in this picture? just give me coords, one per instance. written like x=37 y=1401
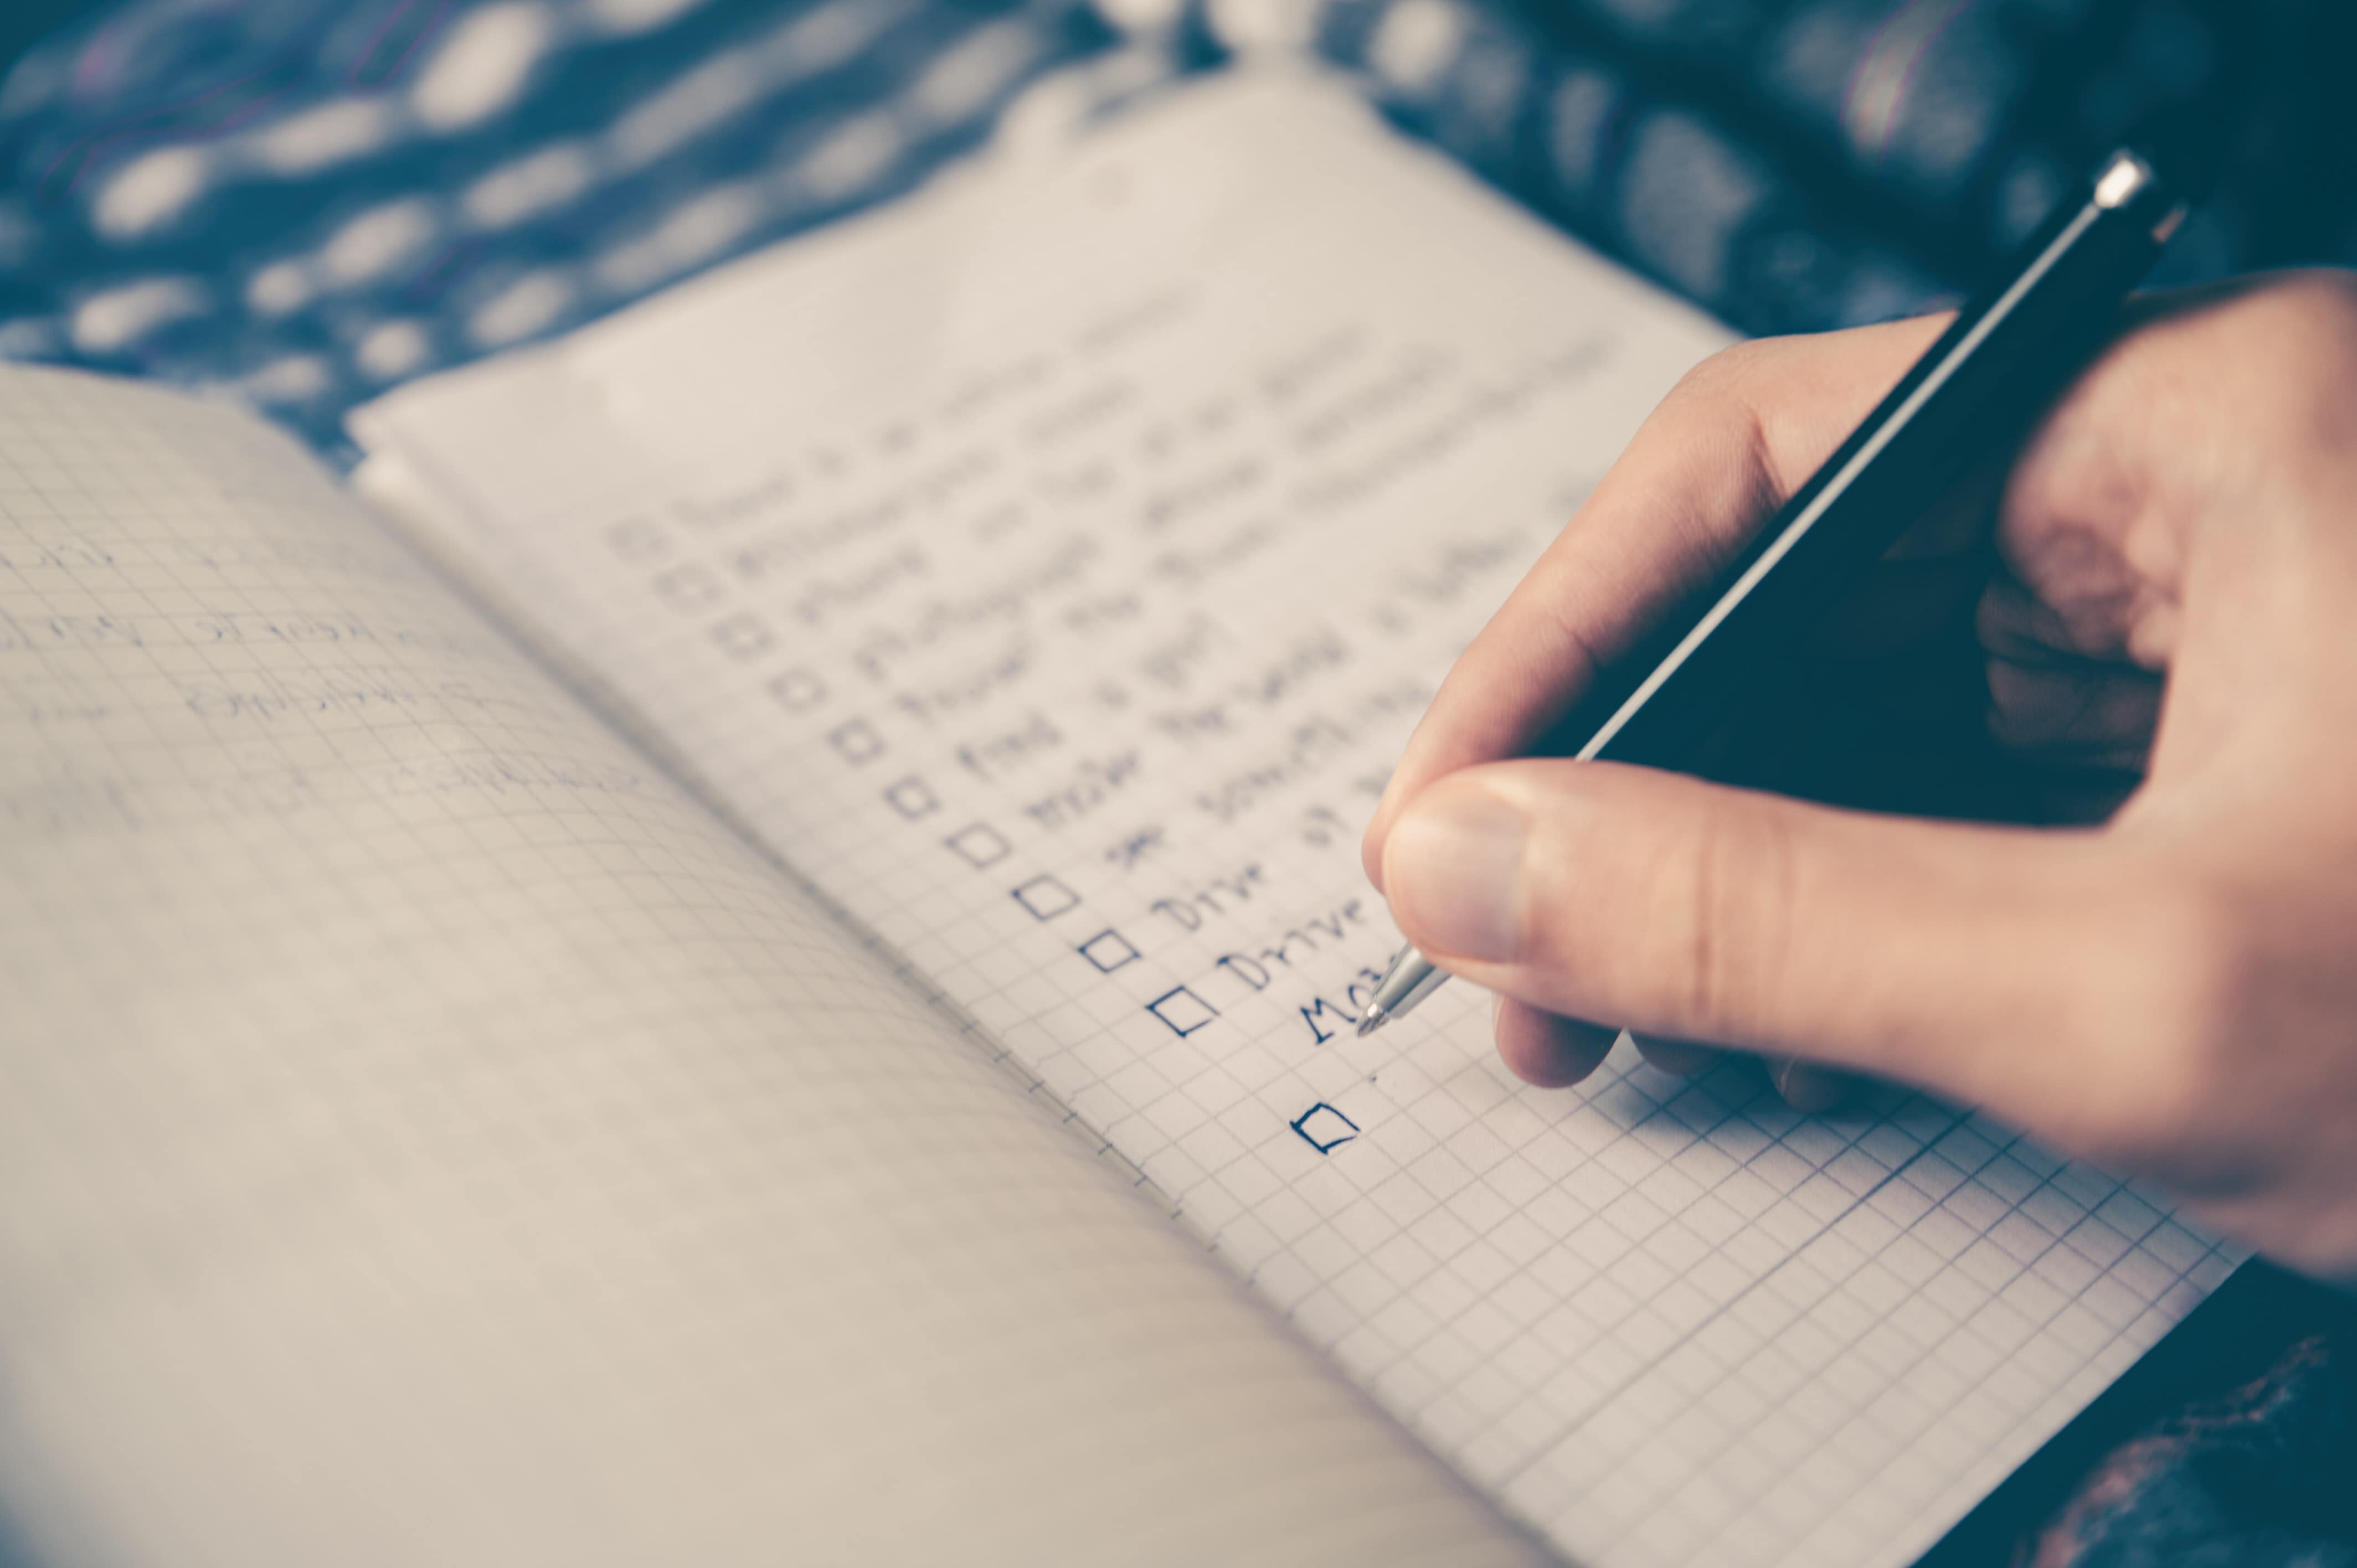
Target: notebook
x=744 y=949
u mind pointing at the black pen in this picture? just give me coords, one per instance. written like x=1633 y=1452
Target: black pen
x=2008 y=354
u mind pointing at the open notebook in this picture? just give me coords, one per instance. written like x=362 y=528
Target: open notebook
x=568 y=1067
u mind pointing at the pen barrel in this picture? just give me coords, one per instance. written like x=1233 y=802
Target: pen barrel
x=1973 y=398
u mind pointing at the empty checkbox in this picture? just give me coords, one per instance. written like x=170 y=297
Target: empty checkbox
x=1108 y=951
x=688 y=588
x=637 y=540
x=744 y=637
x=1046 y=897
x=979 y=845
x=912 y=798
x=856 y=742
x=1323 y=1128
x=798 y=690
x=1183 y=1010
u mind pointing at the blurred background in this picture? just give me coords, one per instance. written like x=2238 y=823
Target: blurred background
x=303 y=201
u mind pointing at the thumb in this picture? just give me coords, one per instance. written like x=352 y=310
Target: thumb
x=1938 y=953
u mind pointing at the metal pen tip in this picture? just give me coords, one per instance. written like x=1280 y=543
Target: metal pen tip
x=1408 y=981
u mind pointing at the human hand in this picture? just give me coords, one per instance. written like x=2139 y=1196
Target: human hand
x=2172 y=993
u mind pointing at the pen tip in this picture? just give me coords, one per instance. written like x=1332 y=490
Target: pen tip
x=1374 y=1020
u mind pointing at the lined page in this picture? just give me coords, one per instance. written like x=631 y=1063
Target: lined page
x=427 y=1136
x=1049 y=569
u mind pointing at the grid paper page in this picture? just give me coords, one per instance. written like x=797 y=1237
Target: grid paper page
x=426 y=1136
x=1050 y=570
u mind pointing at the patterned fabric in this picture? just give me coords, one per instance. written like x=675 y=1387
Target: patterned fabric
x=303 y=201
x=306 y=200
x=2256 y=1478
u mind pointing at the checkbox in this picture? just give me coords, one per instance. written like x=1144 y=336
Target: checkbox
x=1183 y=1010
x=1323 y=1128
x=744 y=637
x=688 y=589
x=856 y=742
x=1108 y=949
x=798 y=690
x=979 y=845
x=912 y=798
x=638 y=540
x=1046 y=897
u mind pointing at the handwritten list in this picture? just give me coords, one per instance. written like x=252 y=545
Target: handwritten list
x=1048 y=571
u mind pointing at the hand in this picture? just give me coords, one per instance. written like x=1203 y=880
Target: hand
x=2173 y=606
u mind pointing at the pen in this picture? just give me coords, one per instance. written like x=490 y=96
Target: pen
x=2005 y=357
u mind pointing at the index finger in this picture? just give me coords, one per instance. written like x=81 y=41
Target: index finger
x=1744 y=430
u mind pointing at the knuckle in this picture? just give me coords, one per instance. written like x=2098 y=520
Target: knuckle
x=2299 y=332
x=2318 y=297
x=1722 y=391
x=1713 y=426
x=1723 y=373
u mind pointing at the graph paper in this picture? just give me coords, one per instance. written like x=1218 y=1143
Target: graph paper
x=1049 y=571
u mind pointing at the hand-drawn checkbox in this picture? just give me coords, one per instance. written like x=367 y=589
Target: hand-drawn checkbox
x=798 y=690
x=1323 y=1128
x=688 y=589
x=744 y=637
x=856 y=742
x=979 y=845
x=1046 y=897
x=912 y=798
x=1182 y=1010
x=1108 y=949
x=638 y=540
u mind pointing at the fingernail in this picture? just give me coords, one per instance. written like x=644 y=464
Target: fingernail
x=1452 y=871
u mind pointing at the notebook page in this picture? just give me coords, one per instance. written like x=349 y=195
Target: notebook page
x=1049 y=569
x=427 y=1136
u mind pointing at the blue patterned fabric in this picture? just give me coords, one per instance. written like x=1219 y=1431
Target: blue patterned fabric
x=308 y=200
x=305 y=201
x=2256 y=1476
